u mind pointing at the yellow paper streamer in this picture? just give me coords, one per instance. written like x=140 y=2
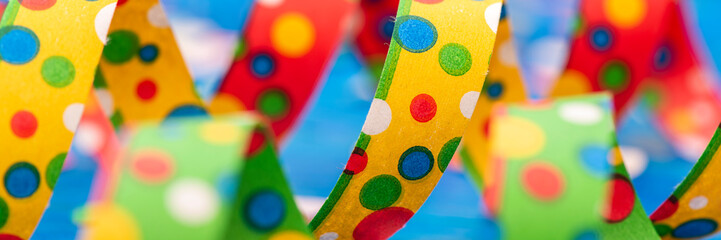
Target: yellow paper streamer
x=503 y=84
x=49 y=51
x=429 y=87
x=690 y=211
x=143 y=69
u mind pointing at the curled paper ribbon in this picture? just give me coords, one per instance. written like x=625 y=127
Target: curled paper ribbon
x=503 y=84
x=165 y=192
x=47 y=71
x=433 y=75
x=281 y=59
x=687 y=213
x=679 y=89
x=153 y=98
x=684 y=215
x=97 y=139
x=622 y=49
x=142 y=75
x=558 y=161
x=611 y=50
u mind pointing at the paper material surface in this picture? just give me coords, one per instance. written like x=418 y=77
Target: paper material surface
x=611 y=50
x=375 y=32
x=282 y=57
x=166 y=190
x=432 y=79
x=503 y=84
x=142 y=75
x=680 y=90
x=558 y=161
x=687 y=212
x=49 y=53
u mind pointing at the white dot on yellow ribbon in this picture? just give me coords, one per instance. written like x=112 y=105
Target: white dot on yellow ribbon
x=515 y=137
x=625 y=13
x=292 y=35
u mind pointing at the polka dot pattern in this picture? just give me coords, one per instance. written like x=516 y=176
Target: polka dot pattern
x=698 y=203
x=4 y=212
x=622 y=200
x=684 y=110
x=148 y=53
x=468 y=103
x=455 y=59
x=378 y=119
x=357 y=162
x=695 y=228
x=281 y=58
x=492 y=16
x=49 y=51
x=58 y=71
x=382 y=224
x=71 y=116
x=37 y=5
x=543 y=182
x=577 y=173
x=625 y=14
x=146 y=89
x=522 y=137
x=24 y=124
x=121 y=47
x=156 y=16
x=102 y=21
x=152 y=166
x=262 y=65
x=265 y=210
x=18 y=44
x=423 y=108
x=415 y=163
x=380 y=192
x=413 y=102
x=614 y=47
x=601 y=38
x=140 y=67
x=581 y=113
x=375 y=31
x=447 y=152
x=274 y=103
x=191 y=201
x=691 y=211
x=415 y=34
x=52 y=173
x=293 y=35
x=614 y=76
x=190 y=195
x=22 y=180
x=503 y=84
